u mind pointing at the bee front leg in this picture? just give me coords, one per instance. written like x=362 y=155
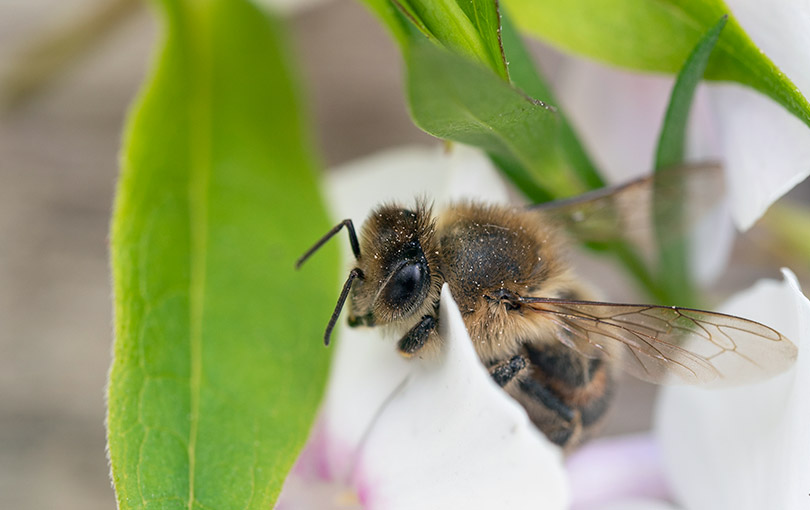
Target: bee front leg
x=417 y=336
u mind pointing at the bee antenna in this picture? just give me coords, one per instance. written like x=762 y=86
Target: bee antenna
x=354 y=273
x=352 y=239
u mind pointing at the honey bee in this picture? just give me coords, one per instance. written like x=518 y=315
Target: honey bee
x=533 y=323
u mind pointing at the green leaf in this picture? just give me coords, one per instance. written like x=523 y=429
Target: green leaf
x=658 y=35
x=218 y=366
x=673 y=263
x=525 y=76
x=455 y=99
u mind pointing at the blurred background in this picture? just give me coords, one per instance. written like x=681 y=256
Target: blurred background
x=69 y=72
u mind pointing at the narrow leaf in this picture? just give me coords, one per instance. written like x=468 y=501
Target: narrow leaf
x=658 y=36
x=468 y=27
x=484 y=16
x=671 y=141
x=674 y=274
x=218 y=367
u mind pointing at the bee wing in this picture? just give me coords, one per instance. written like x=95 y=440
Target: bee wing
x=667 y=345
x=622 y=212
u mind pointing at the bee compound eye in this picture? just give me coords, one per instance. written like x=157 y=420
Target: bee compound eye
x=407 y=285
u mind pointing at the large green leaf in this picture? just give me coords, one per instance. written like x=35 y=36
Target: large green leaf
x=524 y=74
x=218 y=366
x=657 y=35
x=456 y=99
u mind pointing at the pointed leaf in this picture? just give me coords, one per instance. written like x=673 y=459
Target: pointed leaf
x=524 y=75
x=469 y=28
x=455 y=99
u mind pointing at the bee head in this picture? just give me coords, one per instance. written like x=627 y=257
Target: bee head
x=396 y=273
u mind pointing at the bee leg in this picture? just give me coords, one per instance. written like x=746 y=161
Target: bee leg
x=564 y=426
x=586 y=383
x=567 y=395
x=505 y=372
x=415 y=339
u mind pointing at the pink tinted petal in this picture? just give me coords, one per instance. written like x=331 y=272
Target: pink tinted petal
x=636 y=504
x=311 y=485
x=616 y=469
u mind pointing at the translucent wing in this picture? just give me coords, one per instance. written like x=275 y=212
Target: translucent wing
x=624 y=212
x=667 y=345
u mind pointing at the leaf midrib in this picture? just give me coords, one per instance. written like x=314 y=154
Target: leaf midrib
x=199 y=174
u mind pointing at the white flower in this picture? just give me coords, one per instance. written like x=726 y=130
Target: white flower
x=743 y=448
x=420 y=433
x=746 y=447
x=765 y=150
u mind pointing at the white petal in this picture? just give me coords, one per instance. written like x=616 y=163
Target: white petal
x=711 y=243
x=747 y=447
x=366 y=367
x=404 y=173
x=767 y=150
x=618 y=115
x=471 y=175
x=452 y=439
x=780 y=28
